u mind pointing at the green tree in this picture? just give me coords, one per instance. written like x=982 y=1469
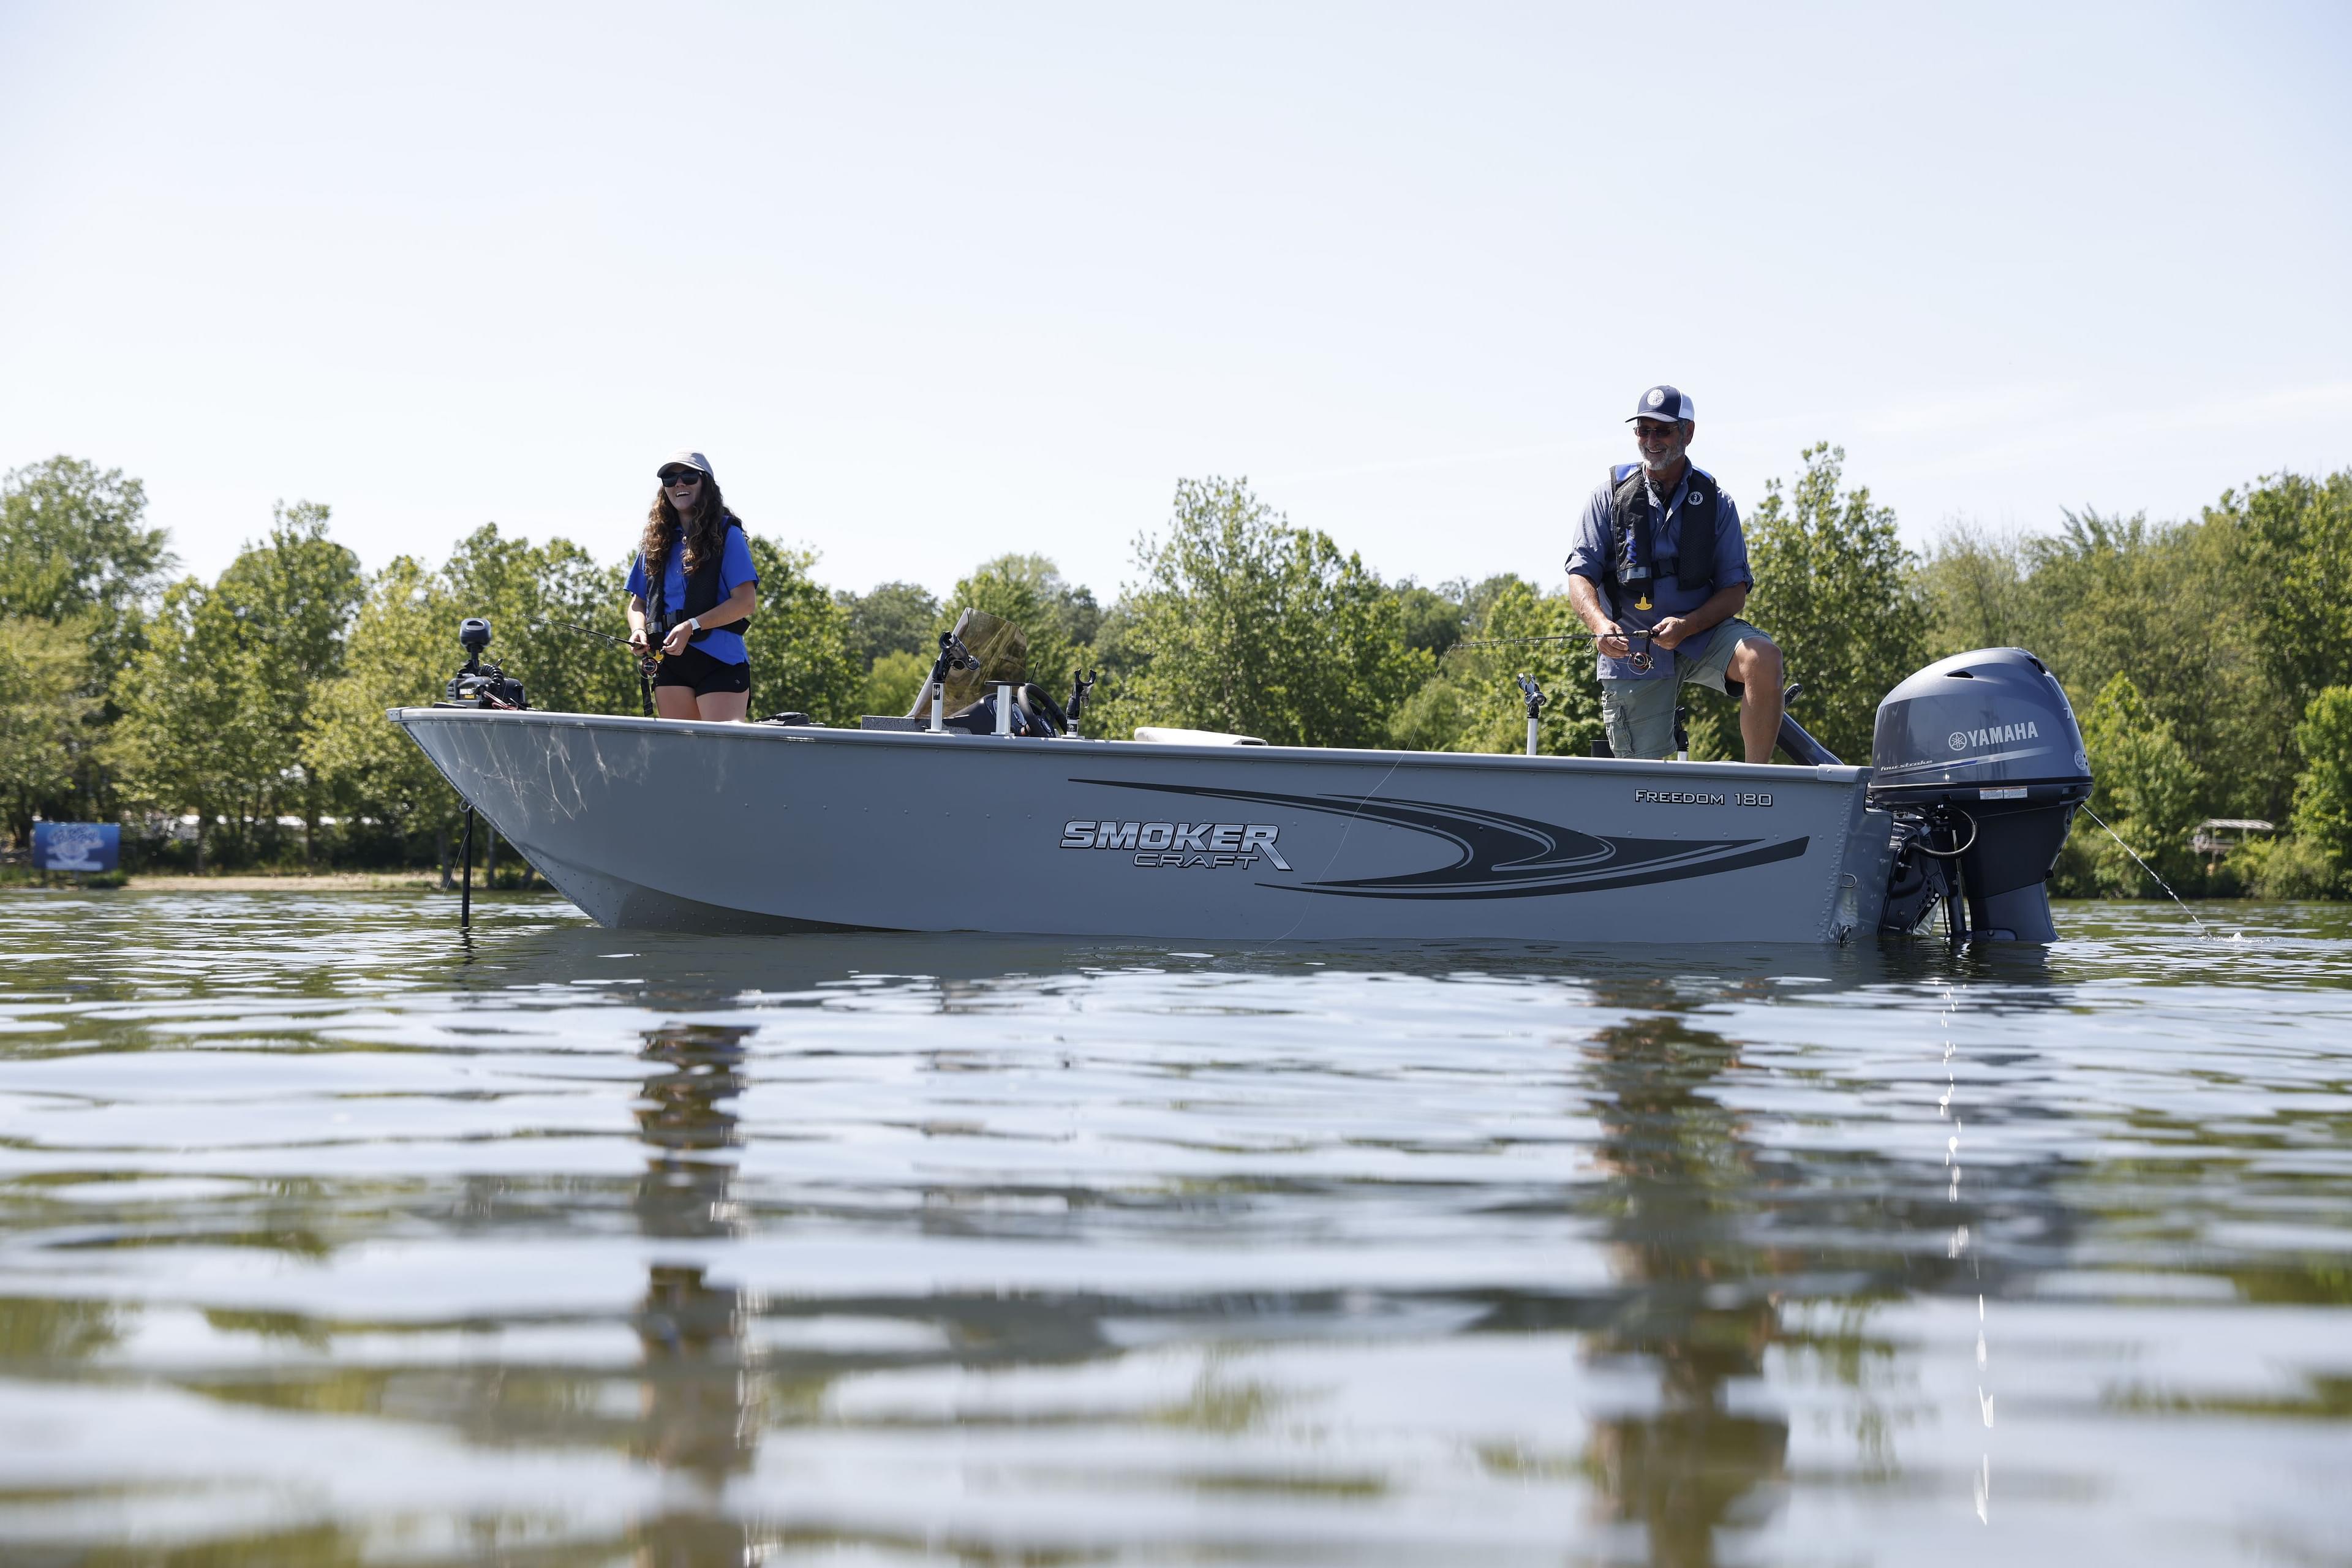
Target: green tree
x=1834 y=590
x=1253 y=625
x=293 y=595
x=1030 y=592
x=46 y=702
x=895 y=618
x=536 y=598
x=2165 y=606
x=1121 y=661
x=2278 y=630
x=73 y=544
x=1071 y=605
x=398 y=655
x=190 y=699
x=2146 y=790
x=2296 y=536
x=2323 y=794
x=799 y=641
x=1474 y=703
x=1432 y=617
x=890 y=685
x=1974 y=586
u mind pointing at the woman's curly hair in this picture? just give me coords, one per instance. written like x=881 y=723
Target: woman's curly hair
x=705 y=533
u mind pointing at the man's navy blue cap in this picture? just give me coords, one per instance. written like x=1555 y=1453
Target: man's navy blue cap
x=1663 y=403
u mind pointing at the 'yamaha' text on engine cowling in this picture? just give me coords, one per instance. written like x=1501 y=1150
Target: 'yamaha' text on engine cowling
x=1980 y=759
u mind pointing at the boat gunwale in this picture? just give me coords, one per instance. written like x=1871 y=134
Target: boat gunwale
x=991 y=744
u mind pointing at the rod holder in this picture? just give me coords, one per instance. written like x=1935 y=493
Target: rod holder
x=1535 y=699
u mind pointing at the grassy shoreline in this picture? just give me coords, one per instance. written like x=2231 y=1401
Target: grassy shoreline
x=232 y=881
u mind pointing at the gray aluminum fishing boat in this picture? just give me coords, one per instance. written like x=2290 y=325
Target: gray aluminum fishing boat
x=794 y=827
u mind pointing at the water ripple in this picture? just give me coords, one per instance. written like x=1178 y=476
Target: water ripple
x=327 y=1234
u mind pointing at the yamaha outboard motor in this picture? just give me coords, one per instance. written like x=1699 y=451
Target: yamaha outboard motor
x=1979 y=758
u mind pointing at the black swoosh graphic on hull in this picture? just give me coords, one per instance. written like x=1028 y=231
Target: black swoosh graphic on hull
x=1502 y=856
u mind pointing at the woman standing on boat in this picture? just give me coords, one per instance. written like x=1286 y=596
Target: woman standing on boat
x=691 y=592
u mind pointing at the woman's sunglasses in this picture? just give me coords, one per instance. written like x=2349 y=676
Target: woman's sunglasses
x=679 y=477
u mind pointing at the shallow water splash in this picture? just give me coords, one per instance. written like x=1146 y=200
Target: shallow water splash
x=329 y=1236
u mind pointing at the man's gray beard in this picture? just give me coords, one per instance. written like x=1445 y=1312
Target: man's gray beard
x=1660 y=464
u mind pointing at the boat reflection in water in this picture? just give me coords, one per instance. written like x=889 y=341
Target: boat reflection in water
x=695 y=1394
x=1696 y=1307
x=1690 y=1459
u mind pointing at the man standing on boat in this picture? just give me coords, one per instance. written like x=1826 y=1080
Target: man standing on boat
x=1659 y=550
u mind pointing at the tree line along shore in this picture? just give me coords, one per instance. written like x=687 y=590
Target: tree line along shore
x=237 y=725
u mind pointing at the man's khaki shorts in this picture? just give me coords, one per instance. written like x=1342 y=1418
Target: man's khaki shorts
x=1641 y=713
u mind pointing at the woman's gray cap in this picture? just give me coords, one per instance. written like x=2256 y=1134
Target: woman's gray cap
x=686 y=460
x=1663 y=403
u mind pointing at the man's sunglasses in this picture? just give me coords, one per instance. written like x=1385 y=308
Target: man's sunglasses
x=679 y=477
x=1656 y=432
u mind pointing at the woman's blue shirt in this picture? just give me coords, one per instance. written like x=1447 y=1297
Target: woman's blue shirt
x=724 y=644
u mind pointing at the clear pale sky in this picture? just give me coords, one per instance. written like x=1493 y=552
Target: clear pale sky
x=931 y=282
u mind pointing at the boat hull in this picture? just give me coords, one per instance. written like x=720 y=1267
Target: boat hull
x=685 y=826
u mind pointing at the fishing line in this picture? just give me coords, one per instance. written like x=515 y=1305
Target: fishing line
x=1333 y=858
x=621 y=642
x=2148 y=869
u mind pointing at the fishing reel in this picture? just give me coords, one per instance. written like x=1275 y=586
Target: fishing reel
x=479 y=685
x=953 y=657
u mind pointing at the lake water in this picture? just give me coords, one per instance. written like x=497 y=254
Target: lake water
x=331 y=1237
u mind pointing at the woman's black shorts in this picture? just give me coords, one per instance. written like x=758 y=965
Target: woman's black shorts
x=705 y=674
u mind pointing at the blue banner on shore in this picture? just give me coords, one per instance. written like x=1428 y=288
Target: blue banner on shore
x=75 y=846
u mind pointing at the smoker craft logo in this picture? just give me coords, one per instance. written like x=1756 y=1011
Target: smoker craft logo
x=1999 y=736
x=1212 y=844
x=1493 y=854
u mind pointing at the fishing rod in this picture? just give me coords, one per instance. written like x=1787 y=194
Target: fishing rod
x=1629 y=634
x=647 y=663
x=1640 y=658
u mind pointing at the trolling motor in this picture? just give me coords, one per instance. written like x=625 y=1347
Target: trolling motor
x=477 y=685
x=1980 y=761
x=1535 y=699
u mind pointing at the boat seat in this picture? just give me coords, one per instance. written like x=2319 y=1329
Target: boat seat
x=1167 y=735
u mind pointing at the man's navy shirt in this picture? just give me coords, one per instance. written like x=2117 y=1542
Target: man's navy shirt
x=1588 y=556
